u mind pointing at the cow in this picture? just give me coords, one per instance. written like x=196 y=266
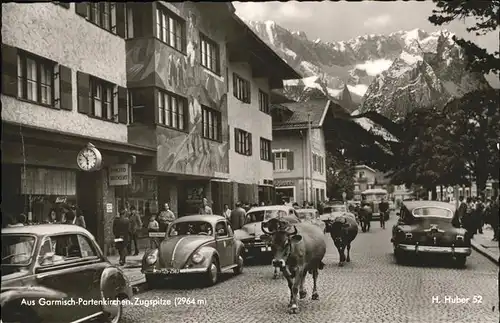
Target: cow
x=365 y=216
x=343 y=229
x=298 y=248
x=290 y=219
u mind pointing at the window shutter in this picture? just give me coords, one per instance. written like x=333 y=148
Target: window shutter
x=249 y=144
x=65 y=88
x=289 y=160
x=236 y=140
x=81 y=8
x=83 y=85
x=9 y=70
x=273 y=157
x=235 y=86
x=122 y=105
x=120 y=19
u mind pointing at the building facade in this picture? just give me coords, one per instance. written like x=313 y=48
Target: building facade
x=299 y=150
x=63 y=86
x=253 y=71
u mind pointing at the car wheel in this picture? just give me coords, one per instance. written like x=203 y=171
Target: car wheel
x=239 y=269
x=212 y=275
x=113 y=311
x=460 y=261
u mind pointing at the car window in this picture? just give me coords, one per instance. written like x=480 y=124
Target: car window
x=221 y=229
x=17 y=249
x=86 y=247
x=190 y=228
x=263 y=215
x=432 y=211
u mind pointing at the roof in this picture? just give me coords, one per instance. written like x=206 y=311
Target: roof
x=375 y=191
x=270 y=207
x=45 y=229
x=365 y=167
x=410 y=205
x=306 y=210
x=211 y=218
x=313 y=111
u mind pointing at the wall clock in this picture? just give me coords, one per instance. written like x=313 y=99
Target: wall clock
x=89 y=158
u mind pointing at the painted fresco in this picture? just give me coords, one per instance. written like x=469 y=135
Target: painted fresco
x=150 y=62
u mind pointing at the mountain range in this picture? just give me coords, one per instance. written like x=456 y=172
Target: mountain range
x=391 y=74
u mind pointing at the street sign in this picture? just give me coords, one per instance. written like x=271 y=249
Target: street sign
x=119 y=174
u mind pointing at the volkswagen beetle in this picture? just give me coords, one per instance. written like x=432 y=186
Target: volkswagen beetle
x=60 y=263
x=312 y=216
x=194 y=244
x=425 y=227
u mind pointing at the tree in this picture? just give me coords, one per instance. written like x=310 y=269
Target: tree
x=339 y=176
x=486 y=14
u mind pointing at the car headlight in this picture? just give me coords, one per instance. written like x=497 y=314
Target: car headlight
x=197 y=258
x=152 y=257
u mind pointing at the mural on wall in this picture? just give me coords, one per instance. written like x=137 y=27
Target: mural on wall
x=181 y=152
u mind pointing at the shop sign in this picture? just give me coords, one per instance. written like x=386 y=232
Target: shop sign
x=283 y=183
x=61 y=199
x=109 y=208
x=119 y=174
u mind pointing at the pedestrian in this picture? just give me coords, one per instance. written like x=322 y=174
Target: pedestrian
x=52 y=217
x=69 y=217
x=479 y=215
x=80 y=219
x=153 y=226
x=295 y=205
x=135 y=226
x=18 y=221
x=383 y=207
x=495 y=218
x=262 y=203
x=238 y=217
x=165 y=218
x=205 y=208
x=121 y=225
x=227 y=212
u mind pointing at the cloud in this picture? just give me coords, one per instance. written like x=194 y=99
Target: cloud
x=291 y=10
x=276 y=11
x=375 y=67
x=251 y=10
x=378 y=21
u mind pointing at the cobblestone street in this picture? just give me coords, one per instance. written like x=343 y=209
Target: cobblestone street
x=372 y=288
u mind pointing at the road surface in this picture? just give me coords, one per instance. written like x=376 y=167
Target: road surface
x=372 y=289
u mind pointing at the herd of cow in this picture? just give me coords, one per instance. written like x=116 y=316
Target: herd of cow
x=299 y=247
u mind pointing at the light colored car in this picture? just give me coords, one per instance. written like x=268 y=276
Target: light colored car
x=58 y=262
x=311 y=215
x=194 y=244
x=250 y=233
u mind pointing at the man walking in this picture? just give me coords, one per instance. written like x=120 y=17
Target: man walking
x=135 y=226
x=238 y=217
x=121 y=226
x=165 y=218
x=227 y=212
x=383 y=208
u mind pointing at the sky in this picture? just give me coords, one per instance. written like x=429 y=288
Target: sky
x=336 y=21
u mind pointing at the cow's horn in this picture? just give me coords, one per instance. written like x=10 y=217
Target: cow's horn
x=263 y=226
x=294 y=231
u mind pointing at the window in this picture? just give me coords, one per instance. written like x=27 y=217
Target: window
x=35 y=79
x=243 y=142
x=318 y=165
x=361 y=174
x=263 y=102
x=241 y=88
x=265 y=149
x=172 y=110
x=280 y=161
x=86 y=247
x=170 y=29
x=211 y=124
x=209 y=53
x=100 y=13
x=101 y=99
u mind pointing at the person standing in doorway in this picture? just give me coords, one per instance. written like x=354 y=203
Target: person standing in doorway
x=227 y=212
x=165 y=218
x=135 y=226
x=80 y=220
x=238 y=217
x=121 y=226
x=205 y=208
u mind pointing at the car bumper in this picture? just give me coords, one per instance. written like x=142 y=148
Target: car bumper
x=435 y=249
x=173 y=272
x=256 y=249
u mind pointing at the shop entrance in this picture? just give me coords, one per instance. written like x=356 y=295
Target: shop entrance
x=285 y=194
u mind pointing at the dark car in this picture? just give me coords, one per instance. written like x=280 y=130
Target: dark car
x=250 y=233
x=194 y=244
x=60 y=263
x=425 y=227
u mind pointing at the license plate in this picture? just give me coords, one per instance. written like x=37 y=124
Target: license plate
x=263 y=249
x=169 y=271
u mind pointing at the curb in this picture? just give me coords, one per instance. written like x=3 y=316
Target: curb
x=480 y=249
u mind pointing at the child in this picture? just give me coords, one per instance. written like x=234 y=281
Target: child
x=153 y=226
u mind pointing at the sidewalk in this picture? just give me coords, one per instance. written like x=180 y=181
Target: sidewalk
x=132 y=270
x=483 y=244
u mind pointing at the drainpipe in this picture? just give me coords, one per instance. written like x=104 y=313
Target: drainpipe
x=310 y=158
x=304 y=147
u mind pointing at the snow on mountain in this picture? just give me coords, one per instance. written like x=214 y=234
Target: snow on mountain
x=370 y=126
x=392 y=73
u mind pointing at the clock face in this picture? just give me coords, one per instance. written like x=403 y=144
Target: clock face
x=87 y=159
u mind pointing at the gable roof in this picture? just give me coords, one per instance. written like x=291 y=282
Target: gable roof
x=365 y=167
x=313 y=111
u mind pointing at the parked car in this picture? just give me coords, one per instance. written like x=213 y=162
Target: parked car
x=311 y=215
x=250 y=233
x=425 y=227
x=58 y=262
x=331 y=208
x=194 y=244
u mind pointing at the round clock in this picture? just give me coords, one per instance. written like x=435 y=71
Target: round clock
x=89 y=158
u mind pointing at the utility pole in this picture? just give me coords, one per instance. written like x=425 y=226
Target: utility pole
x=310 y=159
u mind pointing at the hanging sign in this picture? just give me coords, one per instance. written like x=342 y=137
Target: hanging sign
x=119 y=174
